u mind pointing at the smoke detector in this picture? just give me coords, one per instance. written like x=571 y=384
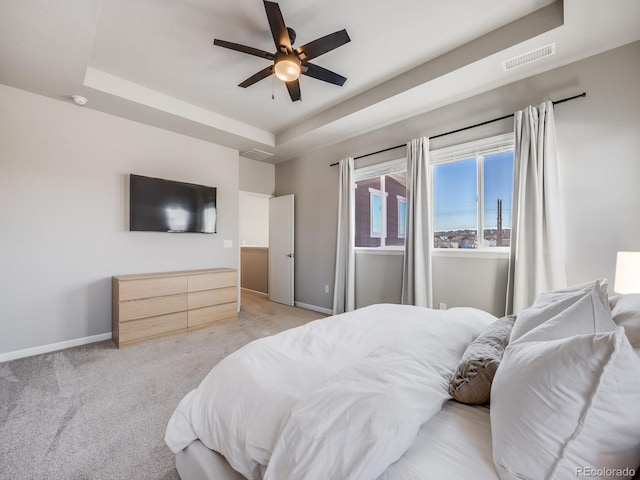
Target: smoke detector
x=529 y=57
x=79 y=100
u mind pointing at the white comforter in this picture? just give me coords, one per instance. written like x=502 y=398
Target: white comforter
x=339 y=398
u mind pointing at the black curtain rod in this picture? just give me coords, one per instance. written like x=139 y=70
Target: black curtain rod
x=581 y=95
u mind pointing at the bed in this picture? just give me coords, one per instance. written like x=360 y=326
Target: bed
x=368 y=395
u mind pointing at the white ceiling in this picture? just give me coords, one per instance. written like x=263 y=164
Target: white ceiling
x=154 y=61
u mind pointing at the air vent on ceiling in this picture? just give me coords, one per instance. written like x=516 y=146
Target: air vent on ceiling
x=256 y=154
x=529 y=57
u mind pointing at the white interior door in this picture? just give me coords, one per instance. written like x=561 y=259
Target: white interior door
x=281 y=251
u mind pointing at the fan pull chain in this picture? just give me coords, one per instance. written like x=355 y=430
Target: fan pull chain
x=273 y=87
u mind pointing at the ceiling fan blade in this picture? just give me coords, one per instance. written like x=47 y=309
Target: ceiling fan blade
x=322 y=45
x=323 y=74
x=264 y=73
x=244 y=49
x=294 y=90
x=278 y=28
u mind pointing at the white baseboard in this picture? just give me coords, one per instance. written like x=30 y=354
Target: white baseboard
x=52 y=347
x=76 y=342
x=326 y=311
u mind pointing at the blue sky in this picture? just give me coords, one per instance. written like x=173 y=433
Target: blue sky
x=455 y=192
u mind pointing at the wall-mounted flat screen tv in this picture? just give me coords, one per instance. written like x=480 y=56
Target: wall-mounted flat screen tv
x=158 y=205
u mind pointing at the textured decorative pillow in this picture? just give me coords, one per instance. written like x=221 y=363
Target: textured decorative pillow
x=471 y=383
x=626 y=313
x=549 y=304
x=573 y=405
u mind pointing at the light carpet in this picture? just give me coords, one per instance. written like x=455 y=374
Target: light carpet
x=96 y=412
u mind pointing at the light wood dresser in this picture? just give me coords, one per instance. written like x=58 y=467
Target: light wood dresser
x=154 y=305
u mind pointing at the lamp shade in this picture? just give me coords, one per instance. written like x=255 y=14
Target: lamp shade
x=287 y=68
x=627 y=273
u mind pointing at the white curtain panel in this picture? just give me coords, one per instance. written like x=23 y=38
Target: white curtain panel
x=417 y=276
x=344 y=285
x=537 y=259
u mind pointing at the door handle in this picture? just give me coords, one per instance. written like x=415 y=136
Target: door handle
x=290 y=255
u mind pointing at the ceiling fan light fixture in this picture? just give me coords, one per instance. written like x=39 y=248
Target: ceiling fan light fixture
x=288 y=64
x=287 y=68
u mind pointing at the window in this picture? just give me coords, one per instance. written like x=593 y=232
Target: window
x=402 y=216
x=381 y=205
x=455 y=205
x=472 y=190
x=375 y=213
x=497 y=194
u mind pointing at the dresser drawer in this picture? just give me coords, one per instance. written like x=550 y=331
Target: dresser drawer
x=151 y=287
x=203 y=317
x=206 y=298
x=151 y=307
x=143 y=329
x=209 y=281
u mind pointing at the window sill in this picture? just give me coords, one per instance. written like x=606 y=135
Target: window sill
x=503 y=252
x=439 y=252
x=379 y=250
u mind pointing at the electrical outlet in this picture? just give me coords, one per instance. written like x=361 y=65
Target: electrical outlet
x=326 y=289
x=443 y=306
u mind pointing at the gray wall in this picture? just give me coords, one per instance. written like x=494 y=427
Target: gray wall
x=599 y=150
x=480 y=282
x=386 y=269
x=254 y=219
x=460 y=279
x=257 y=177
x=315 y=187
x=63 y=214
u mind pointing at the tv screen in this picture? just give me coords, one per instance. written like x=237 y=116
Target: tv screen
x=158 y=205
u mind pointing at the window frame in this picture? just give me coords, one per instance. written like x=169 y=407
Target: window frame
x=380 y=170
x=400 y=200
x=373 y=193
x=478 y=149
x=486 y=146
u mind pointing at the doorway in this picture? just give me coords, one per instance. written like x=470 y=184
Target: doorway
x=254 y=242
x=267 y=254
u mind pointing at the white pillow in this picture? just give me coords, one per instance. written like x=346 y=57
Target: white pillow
x=626 y=313
x=586 y=315
x=553 y=296
x=589 y=300
x=560 y=406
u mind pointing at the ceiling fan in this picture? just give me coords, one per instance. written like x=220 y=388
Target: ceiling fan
x=289 y=63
